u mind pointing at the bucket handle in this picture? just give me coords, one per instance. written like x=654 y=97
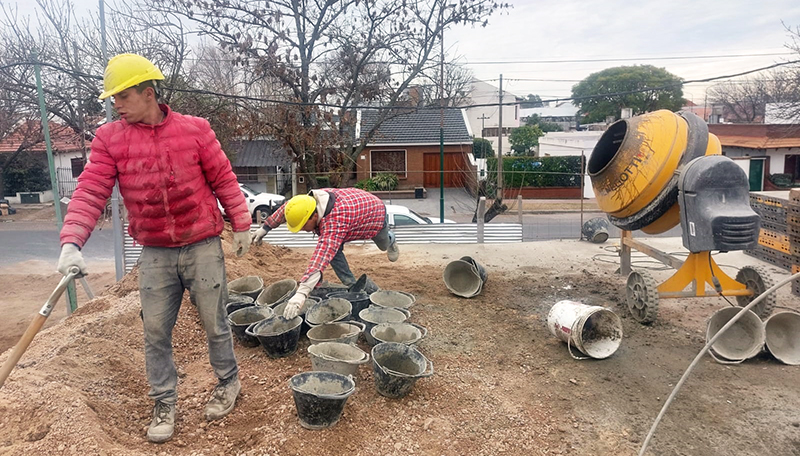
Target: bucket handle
x=721 y=360
x=358 y=324
x=422 y=330
x=428 y=364
x=249 y=329
x=569 y=349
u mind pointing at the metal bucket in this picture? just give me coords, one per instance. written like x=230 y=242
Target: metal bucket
x=337 y=357
x=404 y=333
x=397 y=367
x=596 y=230
x=594 y=330
x=782 y=335
x=277 y=292
x=742 y=341
x=375 y=315
x=345 y=332
x=241 y=319
x=320 y=397
x=248 y=286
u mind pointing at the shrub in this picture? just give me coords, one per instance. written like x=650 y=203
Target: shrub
x=386 y=181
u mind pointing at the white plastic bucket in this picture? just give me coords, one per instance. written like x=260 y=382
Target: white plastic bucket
x=782 y=334
x=741 y=341
x=594 y=330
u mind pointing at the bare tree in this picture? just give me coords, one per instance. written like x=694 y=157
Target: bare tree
x=378 y=50
x=745 y=100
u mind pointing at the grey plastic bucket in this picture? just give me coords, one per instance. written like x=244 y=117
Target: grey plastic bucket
x=594 y=330
x=595 y=230
x=241 y=319
x=782 y=335
x=364 y=284
x=320 y=397
x=742 y=341
x=404 y=333
x=337 y=357
x=328 y=311
x=397 y=367
x=322 y=291
x=277 y=292
x=358 y=301
x=390 y=298
x=278 y=336
x=345 y=332
x=248 y=286
x=465 y=277
x=375 y=315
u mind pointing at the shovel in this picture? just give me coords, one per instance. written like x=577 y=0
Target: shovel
x=36 y=325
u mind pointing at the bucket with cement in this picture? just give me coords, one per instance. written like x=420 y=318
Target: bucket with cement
x=364 y=284
x=397 y=367
x=394 y=299
x=236 y=302
x=320 y=397
x=248 y=286
x=345 y=332
x=405 y=333
x=278 y=336
x=277 y=292
x=375 y=315
x=241 y=319
x=337 y=357
x=742 y=341
x=328 y=311
x=465 y=277
x=322 y=291
x=358 y=301
x=596 y=230
x=782 y=333
x=595 y=331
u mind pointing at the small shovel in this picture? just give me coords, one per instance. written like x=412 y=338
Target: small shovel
x=36 y=325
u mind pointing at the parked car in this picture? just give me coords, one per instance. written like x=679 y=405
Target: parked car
x=403 y=216
x=259 y=202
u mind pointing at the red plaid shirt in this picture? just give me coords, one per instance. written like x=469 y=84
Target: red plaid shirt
x=356 y=215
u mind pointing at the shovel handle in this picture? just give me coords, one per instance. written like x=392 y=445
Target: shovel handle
x=35 y=326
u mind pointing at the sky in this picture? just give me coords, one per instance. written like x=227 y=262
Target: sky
x=693 y=39
x=622 y=29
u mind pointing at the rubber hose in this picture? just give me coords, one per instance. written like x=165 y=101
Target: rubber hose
x=703 y=352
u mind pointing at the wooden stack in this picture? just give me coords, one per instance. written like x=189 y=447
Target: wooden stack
x=779 y=238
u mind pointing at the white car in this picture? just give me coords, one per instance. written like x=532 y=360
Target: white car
x=403 y=216
x=258 y=202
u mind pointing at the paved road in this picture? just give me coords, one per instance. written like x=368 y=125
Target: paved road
x=33 y=241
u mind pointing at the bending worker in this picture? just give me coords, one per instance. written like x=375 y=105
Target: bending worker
x=171 y=171
x=336 y=216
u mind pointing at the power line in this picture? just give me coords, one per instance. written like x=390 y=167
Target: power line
x=624 y=59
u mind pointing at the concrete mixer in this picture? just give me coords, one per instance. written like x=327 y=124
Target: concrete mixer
x=654 y=171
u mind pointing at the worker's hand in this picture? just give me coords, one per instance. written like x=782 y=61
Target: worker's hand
x=71 y=256
x=293 y=306
x=258 y=236
x=241 y=242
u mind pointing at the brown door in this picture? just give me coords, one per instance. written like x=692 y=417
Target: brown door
x=453 y=170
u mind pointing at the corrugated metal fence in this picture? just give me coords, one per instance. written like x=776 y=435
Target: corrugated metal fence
x=458 y=233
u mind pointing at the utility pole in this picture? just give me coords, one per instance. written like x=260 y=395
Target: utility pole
x=441 y=118
x=483 y=118
x=500 y=195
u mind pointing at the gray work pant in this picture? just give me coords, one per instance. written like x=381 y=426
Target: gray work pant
x=383 y=240
x=164 y=274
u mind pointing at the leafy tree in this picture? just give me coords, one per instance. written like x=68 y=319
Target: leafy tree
x=643 y=88
x=531 y=101
x=543 y=125
x=482 y=148
x=524 y=139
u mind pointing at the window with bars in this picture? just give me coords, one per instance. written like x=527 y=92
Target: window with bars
x=388 y=161
x=77 y=165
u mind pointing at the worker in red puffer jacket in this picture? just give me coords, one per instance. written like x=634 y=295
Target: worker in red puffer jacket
x=171 y=171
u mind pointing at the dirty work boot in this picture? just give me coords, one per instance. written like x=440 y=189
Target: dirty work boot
x=163 y=425
x=223 y=398
x=392 y=252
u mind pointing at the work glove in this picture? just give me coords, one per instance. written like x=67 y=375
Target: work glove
x=241 y=242
x=258 y=236
x=297 y=301
x=71 y=256
x=293 y=306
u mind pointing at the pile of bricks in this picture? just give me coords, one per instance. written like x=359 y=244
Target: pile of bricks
x=779 y=238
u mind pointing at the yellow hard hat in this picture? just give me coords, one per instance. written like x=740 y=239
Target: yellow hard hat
x=298 y=210
x=125 y=71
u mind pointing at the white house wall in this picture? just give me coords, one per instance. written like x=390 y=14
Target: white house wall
x=566 y=144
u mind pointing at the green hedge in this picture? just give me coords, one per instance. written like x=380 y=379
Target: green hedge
x=537 y=171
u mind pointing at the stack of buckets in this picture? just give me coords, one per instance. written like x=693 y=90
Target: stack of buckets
x=748 y=336
x=255 y=316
